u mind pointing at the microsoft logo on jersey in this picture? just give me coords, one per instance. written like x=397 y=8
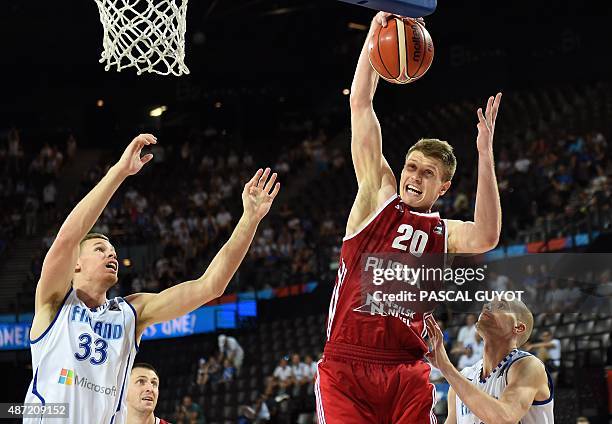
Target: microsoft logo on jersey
x=66 y=377
x=69 y=378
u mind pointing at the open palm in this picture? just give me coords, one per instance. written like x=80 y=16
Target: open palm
x=437 y=355
x=259 y=193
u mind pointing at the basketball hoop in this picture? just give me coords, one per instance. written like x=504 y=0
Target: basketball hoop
x=146 y=34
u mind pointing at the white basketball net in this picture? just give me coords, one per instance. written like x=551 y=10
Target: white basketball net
x=146 y=34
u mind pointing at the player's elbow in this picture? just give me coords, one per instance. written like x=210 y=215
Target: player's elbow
x=218 y=290
x=213 y=293
x=490 y=242
x=485 y=242
x=207 y=289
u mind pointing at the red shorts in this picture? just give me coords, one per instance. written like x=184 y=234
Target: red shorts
x=369 y=387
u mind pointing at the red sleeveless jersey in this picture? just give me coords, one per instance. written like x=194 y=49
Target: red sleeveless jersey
x=394 y=229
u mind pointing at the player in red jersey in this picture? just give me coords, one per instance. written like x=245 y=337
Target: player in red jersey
x=142 y=395
x=373 y=369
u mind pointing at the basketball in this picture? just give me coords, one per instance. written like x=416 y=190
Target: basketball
x=402 y=52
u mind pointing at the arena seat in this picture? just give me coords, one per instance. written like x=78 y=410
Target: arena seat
x=583 y=328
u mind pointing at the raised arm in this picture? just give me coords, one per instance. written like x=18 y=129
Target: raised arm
x=257 y=197
x=482 y=234
x=58 y=266
x=375 y=179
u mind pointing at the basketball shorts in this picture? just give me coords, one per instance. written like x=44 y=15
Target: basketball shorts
x=372 y=388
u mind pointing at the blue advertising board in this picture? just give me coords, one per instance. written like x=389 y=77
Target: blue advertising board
x=207 y=319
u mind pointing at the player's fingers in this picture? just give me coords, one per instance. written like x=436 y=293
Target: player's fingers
x=146 y=158
x=489 y=105
x=433 y=321
x=138 y=143
x=275 y=191
x=150 y=139
x=435 y=328
x=262 y=178
x=430 y=329
x=134 y=146
x=439 y=331
x=253 y=180
x=481 y=118
x=382 y=18
x=496 y=105
x=141 y=139
x=270 y=183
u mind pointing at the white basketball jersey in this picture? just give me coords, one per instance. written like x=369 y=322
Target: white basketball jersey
x=84 y=359
x=494 y=385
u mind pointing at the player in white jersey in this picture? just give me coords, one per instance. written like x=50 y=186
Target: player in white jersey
x=508 y=385
x=83 y=344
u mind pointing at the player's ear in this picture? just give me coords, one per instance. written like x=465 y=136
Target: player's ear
x=520 y=328
x=444 y=188
x=77 y=267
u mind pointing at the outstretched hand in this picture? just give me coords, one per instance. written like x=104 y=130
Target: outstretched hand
x=259 y=193
x=131 y=162
x=486 y=123
x=437 y=355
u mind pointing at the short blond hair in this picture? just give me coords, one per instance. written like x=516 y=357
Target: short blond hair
x=440 y=150
x=91 y=236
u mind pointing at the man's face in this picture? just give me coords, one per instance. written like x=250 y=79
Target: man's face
x=546 y=336
x=421 y=181
x=470 y=319
x=295 y=359
x=98 y=262
x=496 y=319
x=143 y=390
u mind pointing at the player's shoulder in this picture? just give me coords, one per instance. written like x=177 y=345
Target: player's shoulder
x=525 y=366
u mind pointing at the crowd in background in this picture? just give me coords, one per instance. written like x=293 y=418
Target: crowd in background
x=28 y=191
x=288 y=390
x=187 y=202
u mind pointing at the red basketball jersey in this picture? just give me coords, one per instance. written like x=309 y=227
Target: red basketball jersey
x=394 y=229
